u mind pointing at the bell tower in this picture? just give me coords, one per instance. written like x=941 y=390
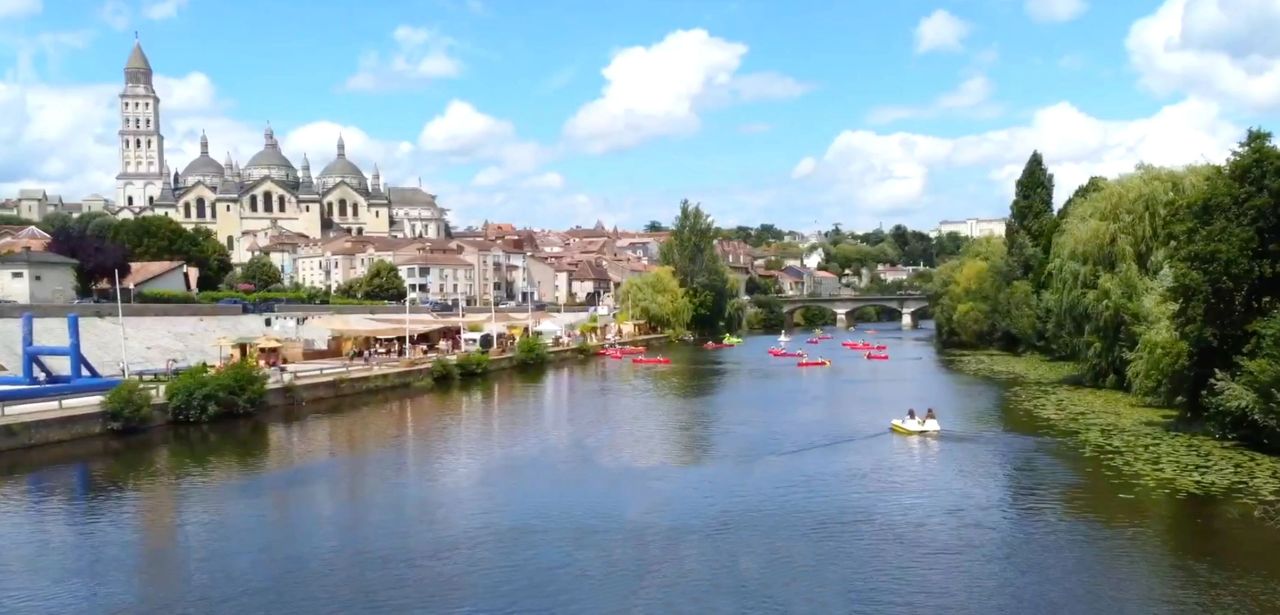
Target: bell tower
x=142 y=163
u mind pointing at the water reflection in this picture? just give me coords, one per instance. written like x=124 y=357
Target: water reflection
x=727 y=482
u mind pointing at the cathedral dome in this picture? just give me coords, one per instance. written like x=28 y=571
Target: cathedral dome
x=341 y=170
x=270 y=162
x=203 y=168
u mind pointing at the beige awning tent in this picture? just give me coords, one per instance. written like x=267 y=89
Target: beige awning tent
x=346 y=325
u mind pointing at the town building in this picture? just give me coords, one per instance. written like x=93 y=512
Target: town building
x=235 y=202
x=15 y=238
x=32 y=276
x=150 y=276
x=972 y=227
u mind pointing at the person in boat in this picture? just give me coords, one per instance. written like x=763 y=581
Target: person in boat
x=911 y=416
x=930 y=416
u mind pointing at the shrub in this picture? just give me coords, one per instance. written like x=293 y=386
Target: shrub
x=163 y=296
x=475 y=327
x=199 y=395
x=214 y=296
x=531 y=351
x=192 y=397
x=584 y=349
x=128 y=406
x=241 y=387
x=442 y=370
x=472 y=364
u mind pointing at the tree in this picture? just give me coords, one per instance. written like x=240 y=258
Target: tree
x=691 y=252
x=773 y=263
x=211 y=256
x=1029 y=232
x=383 y=283
x=1226 y=270
x=12 y=220
x=948 y=246
x=654 y=226
x=260 y=272
x=975 y=303
x=1245 y=402
x=1094 y=184
x=768 y=233
x=656 y=297
x=99 y=258
x=756 y=285
x=767 y=314
x=155 y=238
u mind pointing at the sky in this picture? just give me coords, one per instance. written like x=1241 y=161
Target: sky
x=556 y=113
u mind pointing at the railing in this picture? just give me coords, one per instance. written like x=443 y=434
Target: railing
x=293 y=374
x=63 y=402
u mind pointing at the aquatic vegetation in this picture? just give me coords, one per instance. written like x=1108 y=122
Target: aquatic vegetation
x=1131 y=439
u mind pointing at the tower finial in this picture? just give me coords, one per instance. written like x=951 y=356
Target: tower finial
x=135 y=36
x=204 y=144
x=342 y=146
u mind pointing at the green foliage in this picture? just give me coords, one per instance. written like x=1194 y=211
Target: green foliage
x=1104 y=265
x=443 y=370
x=584 y=349
x=200 y=395
x=12 y=220
x=475 y=327
x=767 y=314
x=1226 y=273
x=691 y=252
x=163 y=296
x=128 y=406
x=1245 y=403
x=1029 y=232
x=161 y=238
x=773 y=263
x=382 y=282
x=654 y=226
x=977 y=302
x=214 y=296
x=472 y=364
x=656 y=298
x=99 y=257
x=812 y=316
x=260 y=272
x=530 y=351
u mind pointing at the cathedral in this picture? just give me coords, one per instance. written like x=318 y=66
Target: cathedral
x=249 y=206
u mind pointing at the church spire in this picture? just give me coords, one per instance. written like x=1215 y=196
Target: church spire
x=204 y=144
x=342 y=147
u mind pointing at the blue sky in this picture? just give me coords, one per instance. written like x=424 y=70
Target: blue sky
x=558 y=113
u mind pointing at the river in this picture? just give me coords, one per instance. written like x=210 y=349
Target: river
x=727 y=482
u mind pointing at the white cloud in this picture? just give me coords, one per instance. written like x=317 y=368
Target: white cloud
x=804 y=168
x=657 y=91
x=163 y=9
x=877 y=172
x=1224 y=50
x=941 y=31
x=546 y=181
x=115 y=13
x=13 y=9
x=972 y=96
x=464 y=132
x=421 y=56
x=1055 y=11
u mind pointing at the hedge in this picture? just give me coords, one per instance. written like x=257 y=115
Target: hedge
x=163 y=296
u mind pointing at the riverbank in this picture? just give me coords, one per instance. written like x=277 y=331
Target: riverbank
x=37 y=429
x=1132 y=440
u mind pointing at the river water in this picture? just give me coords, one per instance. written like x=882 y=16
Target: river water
x=727 y=482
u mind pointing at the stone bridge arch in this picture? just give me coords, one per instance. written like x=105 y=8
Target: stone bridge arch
x=906 y=305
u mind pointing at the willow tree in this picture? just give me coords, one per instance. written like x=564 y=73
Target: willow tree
x=656 y=298
x=977 y=302
x=1100 y=285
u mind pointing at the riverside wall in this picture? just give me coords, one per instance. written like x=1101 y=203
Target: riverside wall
x=40 y=428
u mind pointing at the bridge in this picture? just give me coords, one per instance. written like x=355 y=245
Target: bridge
x=845 y=305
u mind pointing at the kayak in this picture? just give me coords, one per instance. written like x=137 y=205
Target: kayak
x=825 y=336
x=715 y=346
x=812 y=340
x=914 y=427
x=814 y=363
x=865 y=346
x=876 y=356
x=615 y=356
x=631 y=350
x=785 y=353
x=651 y=360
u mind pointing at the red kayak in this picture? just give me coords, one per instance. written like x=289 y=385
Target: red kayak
x=863 y=346
x=815 y=363
x=812 y=340
x=631 y=350
x=825 y=336
x=785 y=353
x=651 y=360
x=877 y=356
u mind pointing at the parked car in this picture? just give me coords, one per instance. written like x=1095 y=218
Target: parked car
x=508 y=304
x=89 y=300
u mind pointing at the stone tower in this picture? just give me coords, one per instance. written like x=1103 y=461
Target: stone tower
x=142 y=163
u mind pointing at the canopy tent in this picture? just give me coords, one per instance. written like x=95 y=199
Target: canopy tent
x=346 y=325
x=549 y=327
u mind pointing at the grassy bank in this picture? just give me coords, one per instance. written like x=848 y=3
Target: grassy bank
x=1129 y=438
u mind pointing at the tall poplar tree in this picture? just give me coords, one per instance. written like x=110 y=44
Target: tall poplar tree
x=1029 y=232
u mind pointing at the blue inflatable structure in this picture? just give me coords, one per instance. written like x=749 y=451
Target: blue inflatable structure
x=82 y=379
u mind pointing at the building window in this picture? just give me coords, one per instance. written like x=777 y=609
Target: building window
x=17 y=275
x=135 y=105
x=186 y=209
x=308 y=209
x=253 y=203
x=377 y=214
x=355 y=210
x=137 y=123
x=137 y=144
x=268 y=204
x=281 y=204
x=360 y=231
x=230 y=244
x=37 y=277
x=328 y=209
x=148 y=122
x=151 y=200
x=148 y=142
x=129 y=201
x=200 y=208
x=126 y=144
x=228 y=207
x=342 y=208
x=146 y=106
